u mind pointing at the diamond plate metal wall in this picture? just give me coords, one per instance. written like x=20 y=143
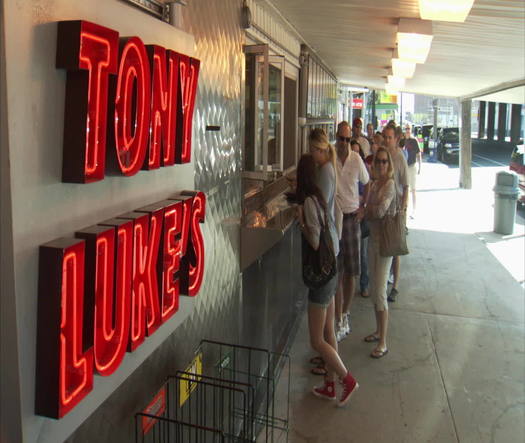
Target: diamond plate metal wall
x=217 y=155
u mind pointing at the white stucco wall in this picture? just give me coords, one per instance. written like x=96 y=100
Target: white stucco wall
x=44 y=208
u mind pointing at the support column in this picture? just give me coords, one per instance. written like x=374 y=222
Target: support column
x=502 y=121
x=374 y=118
x=481 y=119
x=491 y=120
x=465 y=153
x=515 y=124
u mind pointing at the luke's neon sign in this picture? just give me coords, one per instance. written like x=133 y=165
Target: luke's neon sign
x=104 y=291
x=129 y=106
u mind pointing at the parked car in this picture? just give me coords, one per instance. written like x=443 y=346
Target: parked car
x=518 y=166
x=448 y=145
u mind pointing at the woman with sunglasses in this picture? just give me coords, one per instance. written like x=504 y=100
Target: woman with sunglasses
x=381 y=201
x=313 y=210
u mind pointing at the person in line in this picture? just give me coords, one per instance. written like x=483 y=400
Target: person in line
x=369 y=133
x=352 y=171
x=357 y=135
x=377 y=141
x=413 y=155
x=363 y=276
x=381 y=201
x=313 y=210
x=391 y=136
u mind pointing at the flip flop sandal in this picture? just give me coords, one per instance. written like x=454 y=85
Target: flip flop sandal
x=318 y=361
x=377 y=353
x=319 y=370
x=371 y=338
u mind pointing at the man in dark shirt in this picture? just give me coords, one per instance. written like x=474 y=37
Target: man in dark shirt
x=413 y=156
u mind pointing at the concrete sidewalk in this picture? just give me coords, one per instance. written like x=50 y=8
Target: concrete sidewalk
x=455 y=370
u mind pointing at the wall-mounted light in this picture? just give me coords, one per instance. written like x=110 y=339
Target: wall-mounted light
x=402 y=68
x=414 y=37
x=445 y=10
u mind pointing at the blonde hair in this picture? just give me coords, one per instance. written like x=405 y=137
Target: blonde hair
x=319 y=140
x=390 y=170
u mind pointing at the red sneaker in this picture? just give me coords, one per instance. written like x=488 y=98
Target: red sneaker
x=327 y=391
x=350 y=385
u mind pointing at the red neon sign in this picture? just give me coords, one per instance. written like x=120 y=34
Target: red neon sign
x=89 y=53
x=64 y=365
x=105 y=291
x=151 y=96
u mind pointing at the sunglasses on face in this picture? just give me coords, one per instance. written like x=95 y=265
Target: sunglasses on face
x=383 y=161
x=344 y=139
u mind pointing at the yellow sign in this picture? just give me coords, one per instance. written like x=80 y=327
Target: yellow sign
x=186 y=387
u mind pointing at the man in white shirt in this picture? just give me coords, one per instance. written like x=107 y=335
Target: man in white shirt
x=357 y=135
x=351 y=171
x=401 y=181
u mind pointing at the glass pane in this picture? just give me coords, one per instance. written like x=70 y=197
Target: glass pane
x=260 y=111
x=274 y=111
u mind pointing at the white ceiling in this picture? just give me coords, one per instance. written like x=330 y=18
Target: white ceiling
x=355 y=38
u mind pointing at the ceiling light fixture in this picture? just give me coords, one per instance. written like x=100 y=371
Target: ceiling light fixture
x=445 y=10
x=402 y=68
x=414 y=38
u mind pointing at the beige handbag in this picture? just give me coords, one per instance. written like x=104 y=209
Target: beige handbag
x=392 y=241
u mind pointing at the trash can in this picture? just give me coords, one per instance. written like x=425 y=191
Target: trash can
x=506 y=196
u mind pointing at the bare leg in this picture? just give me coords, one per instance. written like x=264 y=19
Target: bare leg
x=383 y=329
x=339 y=299
x=317 y=317
x=396 y=268
x=349 y=285
x=329 y=332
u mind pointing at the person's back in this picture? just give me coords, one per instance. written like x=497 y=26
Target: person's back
x=327 y=185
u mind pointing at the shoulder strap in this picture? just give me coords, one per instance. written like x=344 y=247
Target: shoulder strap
x=319 y=212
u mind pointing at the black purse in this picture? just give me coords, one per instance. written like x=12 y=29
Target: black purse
x=319 y=266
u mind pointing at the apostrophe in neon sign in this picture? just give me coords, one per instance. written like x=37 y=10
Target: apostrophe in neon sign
x=139 y=99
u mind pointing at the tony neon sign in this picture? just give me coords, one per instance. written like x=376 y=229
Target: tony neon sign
x=129 y=106
x=102 y=292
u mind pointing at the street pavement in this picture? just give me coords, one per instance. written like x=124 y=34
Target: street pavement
x=455 y=370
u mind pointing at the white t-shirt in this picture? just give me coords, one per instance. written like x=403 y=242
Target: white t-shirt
x=350 y=174
x=400 y=171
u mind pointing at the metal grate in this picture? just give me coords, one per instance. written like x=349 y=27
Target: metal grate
x=232 y=400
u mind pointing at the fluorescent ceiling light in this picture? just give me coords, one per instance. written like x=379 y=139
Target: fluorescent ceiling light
x=396 y=82
x=445 y=10
x=414 y=38
x=403 y=69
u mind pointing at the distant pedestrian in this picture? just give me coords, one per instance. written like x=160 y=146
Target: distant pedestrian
x=357 y=127
x=413 y=156
x=314 y=210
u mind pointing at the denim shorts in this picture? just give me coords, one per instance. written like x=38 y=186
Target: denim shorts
x=323 y=295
